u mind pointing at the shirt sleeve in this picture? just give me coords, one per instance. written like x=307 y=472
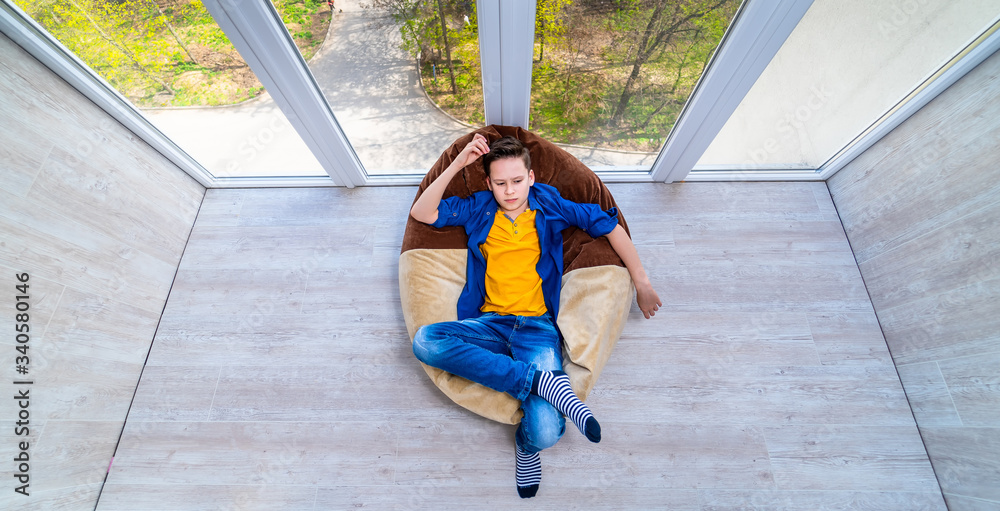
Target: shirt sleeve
x=590 y=217
x=453 y=211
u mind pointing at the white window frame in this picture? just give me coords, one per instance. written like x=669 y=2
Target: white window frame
x=752 y=40
x=974 y=52
x=24 y=31
x=971 y=55
x=256 y=30
x=506 y=41
x=506 y=48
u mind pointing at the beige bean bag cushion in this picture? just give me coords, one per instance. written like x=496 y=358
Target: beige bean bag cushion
x=596 y=288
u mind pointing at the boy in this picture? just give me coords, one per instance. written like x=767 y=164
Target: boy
x=506 y=337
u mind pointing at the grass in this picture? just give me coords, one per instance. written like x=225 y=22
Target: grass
x=575 y=89
x=206 y=71
x=568 y=104
x=467 y=104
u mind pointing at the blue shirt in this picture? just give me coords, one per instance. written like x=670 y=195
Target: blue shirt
x=552 y=214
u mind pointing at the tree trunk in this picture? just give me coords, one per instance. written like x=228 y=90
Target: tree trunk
x=447 y=47
x=647 y=48
x=541 y=49
x=641 y=55
x=170 y=27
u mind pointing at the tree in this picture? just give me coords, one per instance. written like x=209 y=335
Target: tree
x=548 y=23
x=170 y=27
x=663 y=22
x=447 y=47
x=426 y=27
x=118 y=39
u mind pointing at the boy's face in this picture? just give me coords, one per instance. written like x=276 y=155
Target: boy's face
x=509 y=181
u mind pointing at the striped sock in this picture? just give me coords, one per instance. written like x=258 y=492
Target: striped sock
x=554 y=387
x=528 y=472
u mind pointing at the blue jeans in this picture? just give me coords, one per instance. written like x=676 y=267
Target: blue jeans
x=503 y=353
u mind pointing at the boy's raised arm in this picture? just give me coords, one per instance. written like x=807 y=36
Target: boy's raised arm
x=645 y=296
x=425 y=209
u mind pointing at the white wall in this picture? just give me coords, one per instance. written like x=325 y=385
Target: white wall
x=921 y=210
x=98 y=220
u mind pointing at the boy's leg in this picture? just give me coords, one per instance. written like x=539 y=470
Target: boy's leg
x=553 y=385
x=536 y=341
x=478 y=350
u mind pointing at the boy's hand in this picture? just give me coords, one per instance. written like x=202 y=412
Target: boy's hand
x=645 y=296
x=472 y=151
x=648 y=300
x=425 y=208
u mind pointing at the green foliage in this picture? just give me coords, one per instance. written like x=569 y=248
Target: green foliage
x=296 y=11
x=564 y=102
x=120 y=40
x=158 y=52
x=155 y=51
x=549 y=28
x=661 y=48
x=192 y=13
x=576 y=94
x=298 y=17
x=183 y=66
x=585 y=55
x=467 y=102
x=212 y=36
x=420 y=24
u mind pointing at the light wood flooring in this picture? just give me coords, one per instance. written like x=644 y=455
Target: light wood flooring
x=281 y=375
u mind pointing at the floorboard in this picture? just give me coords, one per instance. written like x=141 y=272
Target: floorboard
x=281 y=376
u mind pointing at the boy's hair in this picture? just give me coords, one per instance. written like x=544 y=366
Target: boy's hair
x=506 y=147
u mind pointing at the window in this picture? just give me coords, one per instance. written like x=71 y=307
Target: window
x=384 y=67
x=171 y=60
x=613 y=76
x=729 y=110
x=846 y=64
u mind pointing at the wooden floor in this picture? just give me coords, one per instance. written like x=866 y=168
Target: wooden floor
x=281 y=375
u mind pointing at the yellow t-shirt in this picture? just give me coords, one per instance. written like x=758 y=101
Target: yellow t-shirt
x=512 y=251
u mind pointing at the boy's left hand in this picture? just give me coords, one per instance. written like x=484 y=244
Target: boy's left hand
x=648 y=300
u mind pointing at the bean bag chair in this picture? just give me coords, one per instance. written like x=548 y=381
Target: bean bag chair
x=596 y=290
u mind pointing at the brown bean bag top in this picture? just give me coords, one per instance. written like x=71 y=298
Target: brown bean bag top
x=596 y=288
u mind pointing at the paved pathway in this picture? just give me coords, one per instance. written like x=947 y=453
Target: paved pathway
x=373 y=88
x=375 y=93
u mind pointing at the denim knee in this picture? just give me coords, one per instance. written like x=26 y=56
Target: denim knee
x=541 y=427
x=545 y=437
x=424 y=347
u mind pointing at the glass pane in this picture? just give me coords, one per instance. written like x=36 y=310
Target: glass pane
x=612 y=76
x=845 y=65
x=170 y=59
x=373 y=69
